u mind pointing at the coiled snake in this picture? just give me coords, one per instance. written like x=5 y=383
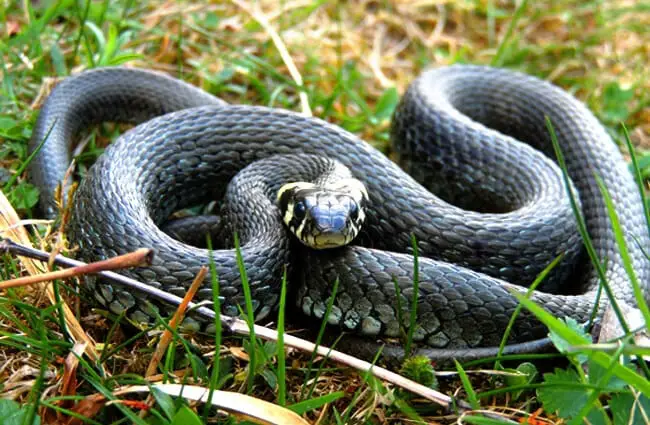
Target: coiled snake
x=487 y=210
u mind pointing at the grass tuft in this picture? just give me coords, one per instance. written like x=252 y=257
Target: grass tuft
x=352 y=60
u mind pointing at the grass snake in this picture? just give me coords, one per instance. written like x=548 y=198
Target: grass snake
x=476 y=188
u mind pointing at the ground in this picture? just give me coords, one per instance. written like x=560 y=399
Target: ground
x=346 y=62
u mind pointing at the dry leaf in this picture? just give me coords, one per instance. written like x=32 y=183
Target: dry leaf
x=241 y=405
x=87 y=408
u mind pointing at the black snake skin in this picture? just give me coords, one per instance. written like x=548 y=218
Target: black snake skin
x=488 y=209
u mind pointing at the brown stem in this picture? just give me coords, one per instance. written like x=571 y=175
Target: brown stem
x=136 y=258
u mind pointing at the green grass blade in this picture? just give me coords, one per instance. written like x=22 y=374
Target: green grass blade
x=54 y=405
x=37 y=388
x=112 y=46
x=367 y=377
x=96 y=382
x=29 y=159
x=582 y=228
x=514 y=358
x=99 y=36
x=471 y=394
x=132 y=339
x=83 y=19
x=60 y=315
x=515 y=314
x=179 y=45
x=315 y=403
x=637 y=175
x=507 y=390
x=399 y=307
x=414 y=300
x=216 y=302
x=596 y=393
x=250 y=319
x=320 y=369
x=281 y=373
x=498 y=57
x=625 y=253
x=482 y=420
x=319 y=337
x=106 y=354
x=409 y=411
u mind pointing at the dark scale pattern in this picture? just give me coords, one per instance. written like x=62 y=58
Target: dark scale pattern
x=192 y=230
x=105 y=94
x=502 y=214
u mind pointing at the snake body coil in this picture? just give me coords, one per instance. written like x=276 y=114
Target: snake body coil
x=499 y=215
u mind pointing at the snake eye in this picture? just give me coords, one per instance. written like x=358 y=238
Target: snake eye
x=299 y=210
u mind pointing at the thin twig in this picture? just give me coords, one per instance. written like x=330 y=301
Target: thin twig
x=166 y=337
x=140 y=257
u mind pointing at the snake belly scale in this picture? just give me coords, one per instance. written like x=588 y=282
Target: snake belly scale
x=486 y=205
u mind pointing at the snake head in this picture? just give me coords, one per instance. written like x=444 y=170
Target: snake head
x=324 y=216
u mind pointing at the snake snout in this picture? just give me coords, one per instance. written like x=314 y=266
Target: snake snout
x=330 y=218
x=333 y=221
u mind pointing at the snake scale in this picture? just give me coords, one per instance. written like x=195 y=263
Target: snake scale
x=476 y=188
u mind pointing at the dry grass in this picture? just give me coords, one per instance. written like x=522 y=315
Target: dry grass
x=335 y=61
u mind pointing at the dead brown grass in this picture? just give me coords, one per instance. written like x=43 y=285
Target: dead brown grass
x=581 y=46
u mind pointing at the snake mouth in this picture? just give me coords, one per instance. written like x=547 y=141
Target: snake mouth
x=329 y=240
